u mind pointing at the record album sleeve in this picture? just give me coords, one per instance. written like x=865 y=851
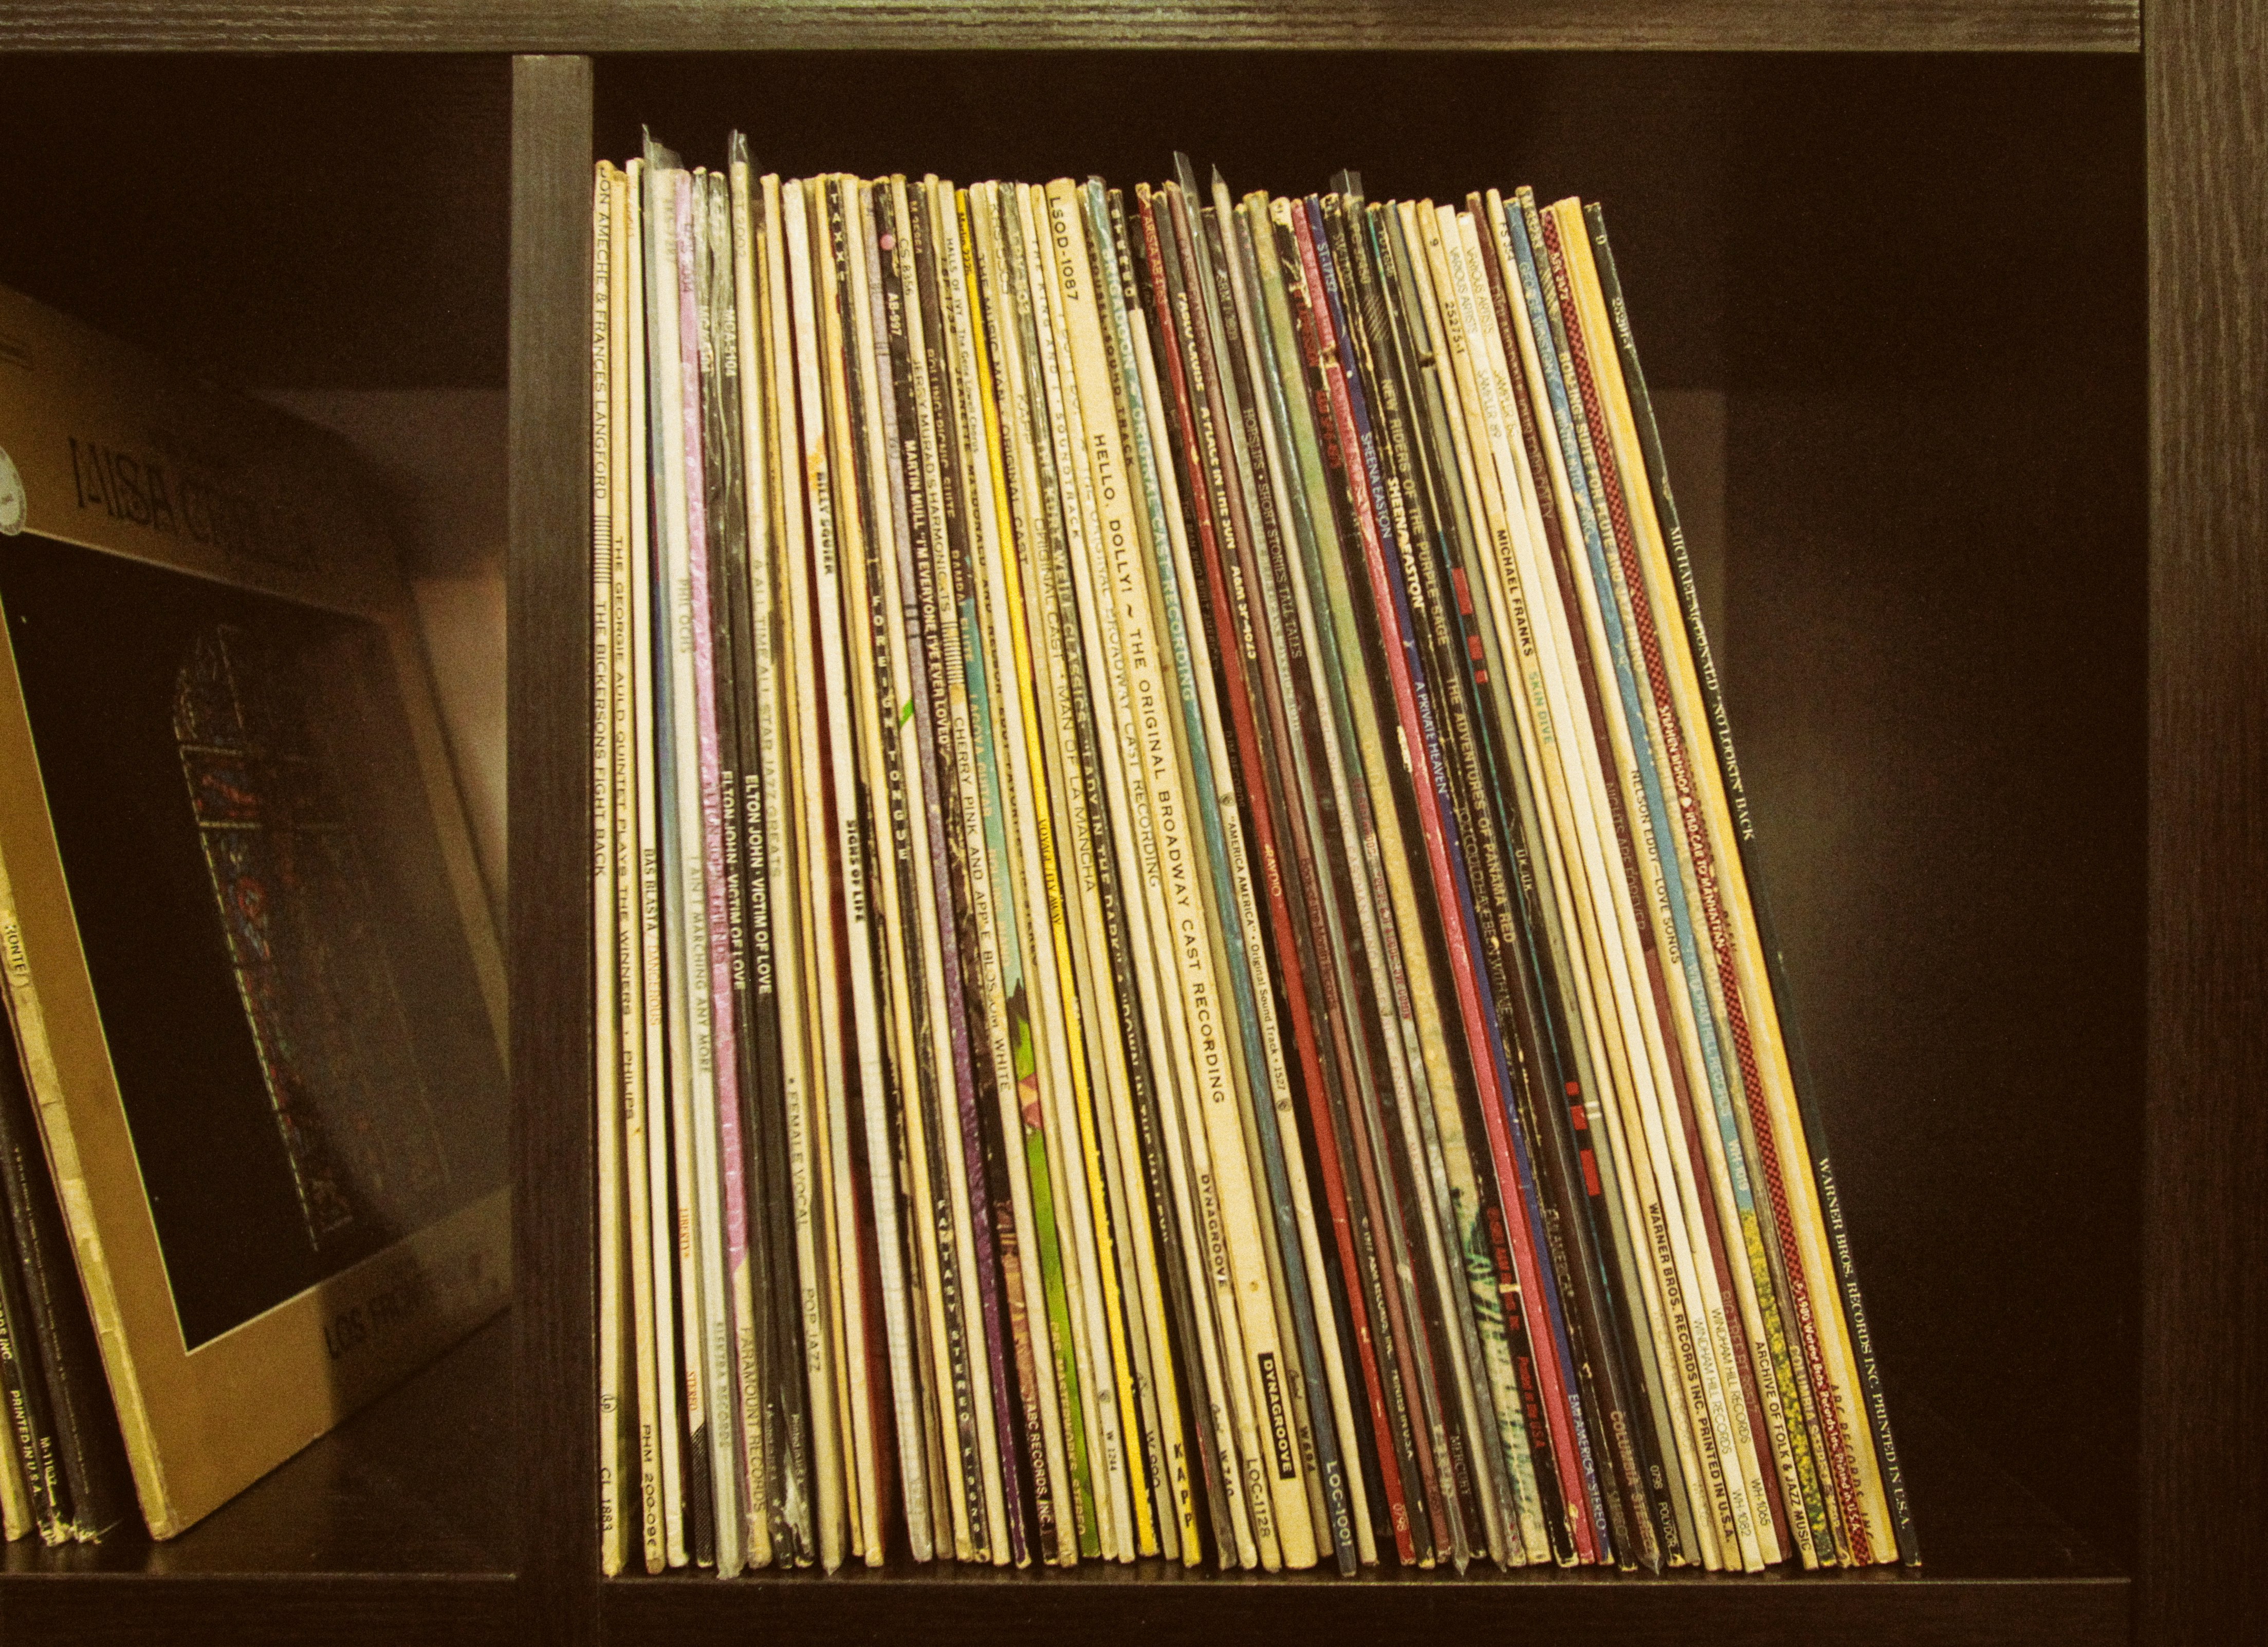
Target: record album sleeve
x=247 y=958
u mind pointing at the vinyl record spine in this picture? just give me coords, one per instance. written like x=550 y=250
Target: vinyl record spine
x=606 y=1018
x=1703 y=690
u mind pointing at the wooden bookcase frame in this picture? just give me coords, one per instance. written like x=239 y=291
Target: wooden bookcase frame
x=2204 y=1382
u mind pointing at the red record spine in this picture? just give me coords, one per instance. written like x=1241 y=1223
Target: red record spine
x=1677 y=758
x=1303 y=1026
x=1263 y=779
x=1550 y=1374
x=1594 y=673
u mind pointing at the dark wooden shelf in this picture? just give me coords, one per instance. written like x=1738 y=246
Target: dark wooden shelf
x=365 y=250
x=1888 y=255
x=597 y=25
x=397 y=1527
x=324 y=221
x=1166 y=1610
x=2001 y=1567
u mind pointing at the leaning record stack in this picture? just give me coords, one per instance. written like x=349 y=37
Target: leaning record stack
x=1179 y=966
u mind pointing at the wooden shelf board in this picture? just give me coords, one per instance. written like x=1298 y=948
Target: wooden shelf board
x=589 y=26
x=267 y=1611
x=395 y=1528
x=1160 y=1608
x=414 y=1488
x=2000 y=1566
x=1593 y=1612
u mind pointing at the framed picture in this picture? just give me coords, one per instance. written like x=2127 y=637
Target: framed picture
x=255 y=983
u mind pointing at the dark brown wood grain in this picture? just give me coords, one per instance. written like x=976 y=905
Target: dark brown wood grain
x=2204 y=1382
x=396 y=1527
x=380 y=187
x=548 y=573
x=606 y=26
x=419 y=1482
x=1163 y=1607
x=1934 y=664
x=2004 y=1567
x=243 y=1612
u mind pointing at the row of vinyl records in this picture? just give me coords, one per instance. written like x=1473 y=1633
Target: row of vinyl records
x=1177 y=966
x=63 y=1473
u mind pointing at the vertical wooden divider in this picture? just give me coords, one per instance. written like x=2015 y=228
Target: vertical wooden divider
x=548 y=633
x=2204 y=1221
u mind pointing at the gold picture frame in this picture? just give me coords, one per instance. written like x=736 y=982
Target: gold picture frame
x=219 y=498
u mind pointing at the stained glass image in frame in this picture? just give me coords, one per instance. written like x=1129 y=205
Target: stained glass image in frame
x=350 y=1107
x=288 y=999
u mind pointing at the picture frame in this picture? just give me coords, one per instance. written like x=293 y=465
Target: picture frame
x=182 y=565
